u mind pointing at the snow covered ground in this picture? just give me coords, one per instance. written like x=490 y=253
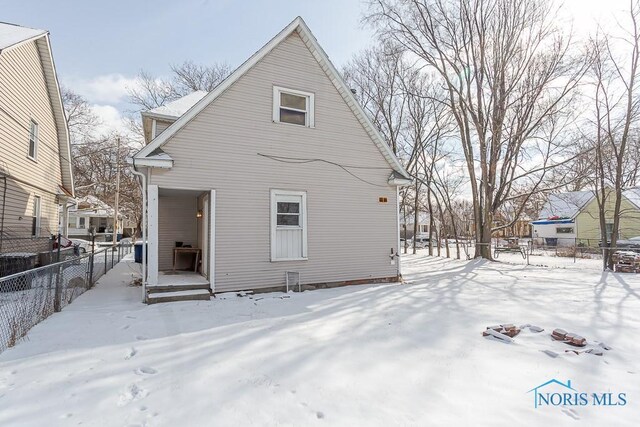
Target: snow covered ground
x=407 y=354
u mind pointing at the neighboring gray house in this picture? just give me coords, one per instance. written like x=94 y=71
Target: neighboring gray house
x=277 y=170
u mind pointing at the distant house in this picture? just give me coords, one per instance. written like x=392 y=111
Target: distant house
x=423 y=226
x=35 y=168
x=91 y=214
x=572 y=218
x=276 y=173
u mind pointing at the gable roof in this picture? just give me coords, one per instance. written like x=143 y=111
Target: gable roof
x=318 y=53
x=177 y=108
x=570 y=204
x=11 y=36
x=566 y=205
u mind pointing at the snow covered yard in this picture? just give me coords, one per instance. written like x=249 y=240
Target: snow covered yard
x=408 y=354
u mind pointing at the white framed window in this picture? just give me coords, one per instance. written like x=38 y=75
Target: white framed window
x=35 y=221
x=82 y=222
x=288 y=225
x=564 y=230
x=293 y=107
x=33 y=140
x=424 y=228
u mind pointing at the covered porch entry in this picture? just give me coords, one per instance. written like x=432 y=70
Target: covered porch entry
x=181 y=243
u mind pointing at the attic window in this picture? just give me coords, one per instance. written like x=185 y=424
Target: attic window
x=382 y=200
x=293 y=107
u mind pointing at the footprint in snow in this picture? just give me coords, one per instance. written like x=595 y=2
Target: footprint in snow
x=141 y=337
x=130 y=317
x=319 y=415
x=145 y=370
x=125 y=327
x=132 y=352
x=131 y=393
x=550 y=353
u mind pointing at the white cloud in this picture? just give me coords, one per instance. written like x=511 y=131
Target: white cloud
x=111 y=120
x=103 y=89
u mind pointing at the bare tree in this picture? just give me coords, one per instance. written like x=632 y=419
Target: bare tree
x=81 y=118
x=189 y=77
x=509 y=79
x=376 y=77
x=150 y=91
x=615 y=111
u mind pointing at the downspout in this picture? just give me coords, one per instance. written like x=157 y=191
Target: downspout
x=143 y=186
x=399 y=260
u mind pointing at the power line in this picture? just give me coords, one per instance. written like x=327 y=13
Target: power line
x=294 y=160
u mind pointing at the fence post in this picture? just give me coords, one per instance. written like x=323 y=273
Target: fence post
x=58 y=291
x=91 y=270
x=106 y=260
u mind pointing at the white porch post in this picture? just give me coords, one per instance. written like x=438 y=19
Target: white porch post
x=64 y=230
x=152 y=238
x=212 y=241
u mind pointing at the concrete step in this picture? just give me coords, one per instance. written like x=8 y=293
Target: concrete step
x=176 y=287
x=183 y=295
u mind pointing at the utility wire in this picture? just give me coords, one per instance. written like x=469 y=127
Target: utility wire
x=294 y=160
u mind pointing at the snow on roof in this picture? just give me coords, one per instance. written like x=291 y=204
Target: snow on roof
x=180 y=106
x=11 y=34
x=565 y=205
x=633 y=195
x=91 y=206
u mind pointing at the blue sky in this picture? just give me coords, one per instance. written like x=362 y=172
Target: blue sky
x=99 y=47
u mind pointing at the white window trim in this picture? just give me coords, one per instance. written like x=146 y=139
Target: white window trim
x=310 y=116
x=274 y=219
x=37 y=214
x=36 y=140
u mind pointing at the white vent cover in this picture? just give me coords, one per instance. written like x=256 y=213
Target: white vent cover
x=292 y=279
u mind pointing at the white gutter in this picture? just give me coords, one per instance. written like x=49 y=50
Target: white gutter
x=143 y=185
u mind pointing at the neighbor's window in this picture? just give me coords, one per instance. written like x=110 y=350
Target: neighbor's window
x=33 y=140
x=424 y=228
x=293 y=106
x=35 y=222
x=288 y=225
x=82 y=222
x=564 y=230
x=609 y=230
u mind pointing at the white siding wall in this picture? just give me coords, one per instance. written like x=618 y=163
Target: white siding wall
x=177 y=222
x=350 y=234
x=24 y=96
x=161 y=126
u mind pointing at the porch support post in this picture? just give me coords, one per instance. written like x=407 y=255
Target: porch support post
x=152 y=238
x=64 y=230
x=212 y=241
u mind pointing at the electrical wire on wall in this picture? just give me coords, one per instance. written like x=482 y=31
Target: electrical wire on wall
x=295 y=160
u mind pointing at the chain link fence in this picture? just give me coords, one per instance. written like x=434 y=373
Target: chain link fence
x=555 y=253
x=21 y=251
x=30 y=296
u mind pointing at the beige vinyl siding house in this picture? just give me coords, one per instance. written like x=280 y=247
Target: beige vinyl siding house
x=35 y=172
x=318 y=198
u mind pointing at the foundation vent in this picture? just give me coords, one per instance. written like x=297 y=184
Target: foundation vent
x=292 y=279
